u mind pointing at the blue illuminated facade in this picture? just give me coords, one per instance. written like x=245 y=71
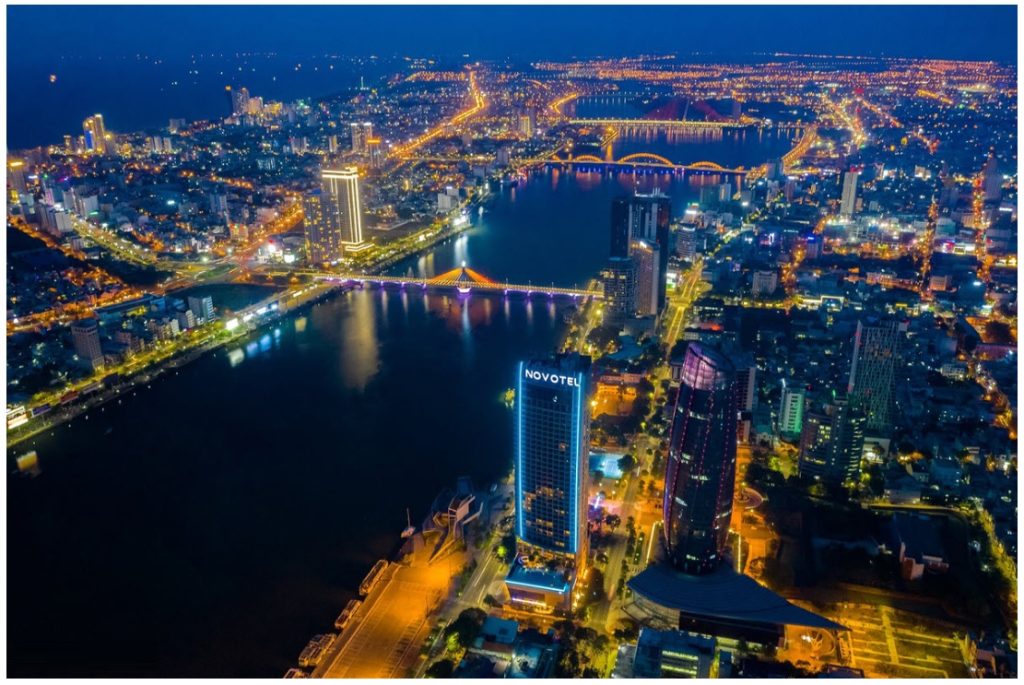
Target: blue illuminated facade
x=552 y=439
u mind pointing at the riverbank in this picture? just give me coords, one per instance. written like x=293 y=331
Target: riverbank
x=63 y=413
x=215 y=337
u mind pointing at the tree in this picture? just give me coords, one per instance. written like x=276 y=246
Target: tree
x=627 y=463
x=441 y=669
x=613 y=521
x=466 y=627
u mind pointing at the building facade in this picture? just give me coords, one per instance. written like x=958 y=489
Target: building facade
x=552 y=439
x=701 y=469
x=872 y=382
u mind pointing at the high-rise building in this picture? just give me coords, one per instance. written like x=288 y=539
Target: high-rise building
x=95 y=134
x=701 y=469
x=528 y=122
x=16 y=176
x=764 y=282
x=238 y=100
x=643 y=217
x=341 y=207
x=690 y=242
x=831 y=443
x=872 y=383
x=620 y=288
x=646 y=259
x=746 y=381
x=375 y=151
x=552 y=439
x=791 y=410
x=85 y=335
x=201 y=308
x=323 y=239
x=848 y=203
x=993 y=180
x=361 y=132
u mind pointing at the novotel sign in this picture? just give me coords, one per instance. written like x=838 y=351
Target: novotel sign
x=548 y=377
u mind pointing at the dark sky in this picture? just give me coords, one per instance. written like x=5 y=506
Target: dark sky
x=38 y=34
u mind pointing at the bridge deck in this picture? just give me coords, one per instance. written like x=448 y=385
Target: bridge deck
x=492 y=286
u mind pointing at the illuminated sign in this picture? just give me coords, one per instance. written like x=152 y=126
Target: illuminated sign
x=553 y=378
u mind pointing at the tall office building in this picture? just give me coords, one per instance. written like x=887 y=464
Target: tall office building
x=552 y=439
x=848 y=203
x=791 y=410
x=620 y=288
x=643 y=217
x=95 y=134
x=831 y=443
x=746 y=382
x=341 y=207
x=872 y=383
x=646 y=256
x=701 y=469
x=361 y=132
x=85 y=335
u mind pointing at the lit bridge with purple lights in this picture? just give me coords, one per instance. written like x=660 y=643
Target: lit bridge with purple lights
x=462 y=279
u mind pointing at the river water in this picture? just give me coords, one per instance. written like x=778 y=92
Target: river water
x=210 y=524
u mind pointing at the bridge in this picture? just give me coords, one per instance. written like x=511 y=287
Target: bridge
x=649 y=159
x=667 y=123
x=462 y=278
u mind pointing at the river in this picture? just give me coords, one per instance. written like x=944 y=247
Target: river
x=210 y=524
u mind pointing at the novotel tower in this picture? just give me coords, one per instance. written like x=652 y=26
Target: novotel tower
x=552 y=437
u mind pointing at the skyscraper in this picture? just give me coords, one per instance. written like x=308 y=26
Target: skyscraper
x=323 y=239
x=701 y=469
x=361 y=132
x=552 y=437
x=341 y=207
x=791 y=410
x=238 y=100
x=86 y=337
x=646 y=256
x=95 y=134
x=872 y=383
x=620 y=288
x=831 y=443
x=643 y=217
x=848 y=203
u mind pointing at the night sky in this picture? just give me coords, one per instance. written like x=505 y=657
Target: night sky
x=531 y=32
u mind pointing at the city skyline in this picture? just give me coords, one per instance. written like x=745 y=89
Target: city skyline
x=447 y=352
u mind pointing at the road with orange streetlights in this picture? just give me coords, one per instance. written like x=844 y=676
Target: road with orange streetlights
x=479 y=104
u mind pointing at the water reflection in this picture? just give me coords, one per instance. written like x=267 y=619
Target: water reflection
x=359 y=357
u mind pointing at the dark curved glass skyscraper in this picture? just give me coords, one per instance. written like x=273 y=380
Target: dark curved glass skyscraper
x=701 y=469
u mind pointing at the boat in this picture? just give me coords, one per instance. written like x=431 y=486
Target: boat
x=373 y=577
x=346 y=615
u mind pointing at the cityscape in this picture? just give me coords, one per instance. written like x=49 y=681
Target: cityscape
x=511 y=342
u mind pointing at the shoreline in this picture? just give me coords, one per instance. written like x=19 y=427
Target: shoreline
x=74 y=410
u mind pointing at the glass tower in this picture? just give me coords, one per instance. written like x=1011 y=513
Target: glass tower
x=552 y=437
x=701 y=470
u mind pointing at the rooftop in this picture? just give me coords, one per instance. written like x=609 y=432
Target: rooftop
x=724 y=594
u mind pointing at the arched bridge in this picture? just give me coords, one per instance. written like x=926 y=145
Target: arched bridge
x=649 y=159
x=463 y=279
